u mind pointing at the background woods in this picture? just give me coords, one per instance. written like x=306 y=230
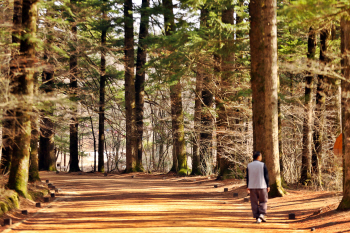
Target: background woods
x=190 y=87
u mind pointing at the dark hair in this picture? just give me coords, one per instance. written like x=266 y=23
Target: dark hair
x=256 y=155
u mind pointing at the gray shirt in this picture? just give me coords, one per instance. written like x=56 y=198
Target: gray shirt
x=257 y=175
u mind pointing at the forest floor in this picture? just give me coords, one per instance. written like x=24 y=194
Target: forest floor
x=91 y=202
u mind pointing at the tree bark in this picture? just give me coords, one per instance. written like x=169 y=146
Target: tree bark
x=8 y=122
x=34 y=166
x=7 y=141
x=197 y=122
x=140 y=79
x=321 y=95
x=73 y=128
x=257 y=74
x=34 y=139
x=345 y=85
x=177 y=117
x=207 y=125
x=47 y=157
x=131 y=130
x=94 y=138
x=196 y=139
x=280 y=139
x=101 y=114
x=225 y=113
x=264 y=74
x=22 y=88
x=308 y=119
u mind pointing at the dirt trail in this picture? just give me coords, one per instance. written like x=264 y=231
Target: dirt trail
x=146 y=203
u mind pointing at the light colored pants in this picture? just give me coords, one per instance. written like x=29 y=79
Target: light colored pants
x=258 y=200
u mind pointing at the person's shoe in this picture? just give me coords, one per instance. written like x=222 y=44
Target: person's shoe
x=262 y=217
x=258 y=220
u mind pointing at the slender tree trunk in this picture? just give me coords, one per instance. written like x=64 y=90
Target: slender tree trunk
x=153 y=137
x=345 y=85
x=93 y=135
x=280 y=139
x=7 y=140
x=197 y=124
x=308 y=120
x=130 y=105
x=47 y=158
x=196 y=160
x=8 y=122
x=337 y=89
x=169 y=25
x=263 y=43
x=34 y=139
x=34 y=166
x=73 y=66
x=179 y=147
x=65 y=160
x=140 y=79
x=207 y=126
x=225 y=113
x=321 y=95
x=22 y=88
x=101 y=114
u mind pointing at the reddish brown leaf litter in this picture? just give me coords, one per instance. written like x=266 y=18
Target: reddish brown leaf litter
x=149 y=203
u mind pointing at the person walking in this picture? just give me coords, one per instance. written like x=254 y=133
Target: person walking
x=258 y=187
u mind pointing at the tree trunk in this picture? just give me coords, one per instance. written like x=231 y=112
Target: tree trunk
x=169 y=25
x=345 y=85
x=197 y=122
x=34 y=119
x=308 y=119
x=140 y=79
x=263 y=41
x=196 y=160
x=101 y=114
x=7 y=141
x=34 y=139
x=130 y=105
x=22 y=87
x=153 y=137
x=321 y=95
x=73 y=128
x=225 y=113
x=207 y=126
x=177 y=117
x=47 y=158
x=8 y=118
x=257 y=74
x=280 y=139
x=94 y=138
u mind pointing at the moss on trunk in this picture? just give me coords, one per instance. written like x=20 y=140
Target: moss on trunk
x=10 y=200
x=22 y=88
x=276 y=190
x=18 y=178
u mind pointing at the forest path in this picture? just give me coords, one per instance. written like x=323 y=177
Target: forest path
x=146 y=203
